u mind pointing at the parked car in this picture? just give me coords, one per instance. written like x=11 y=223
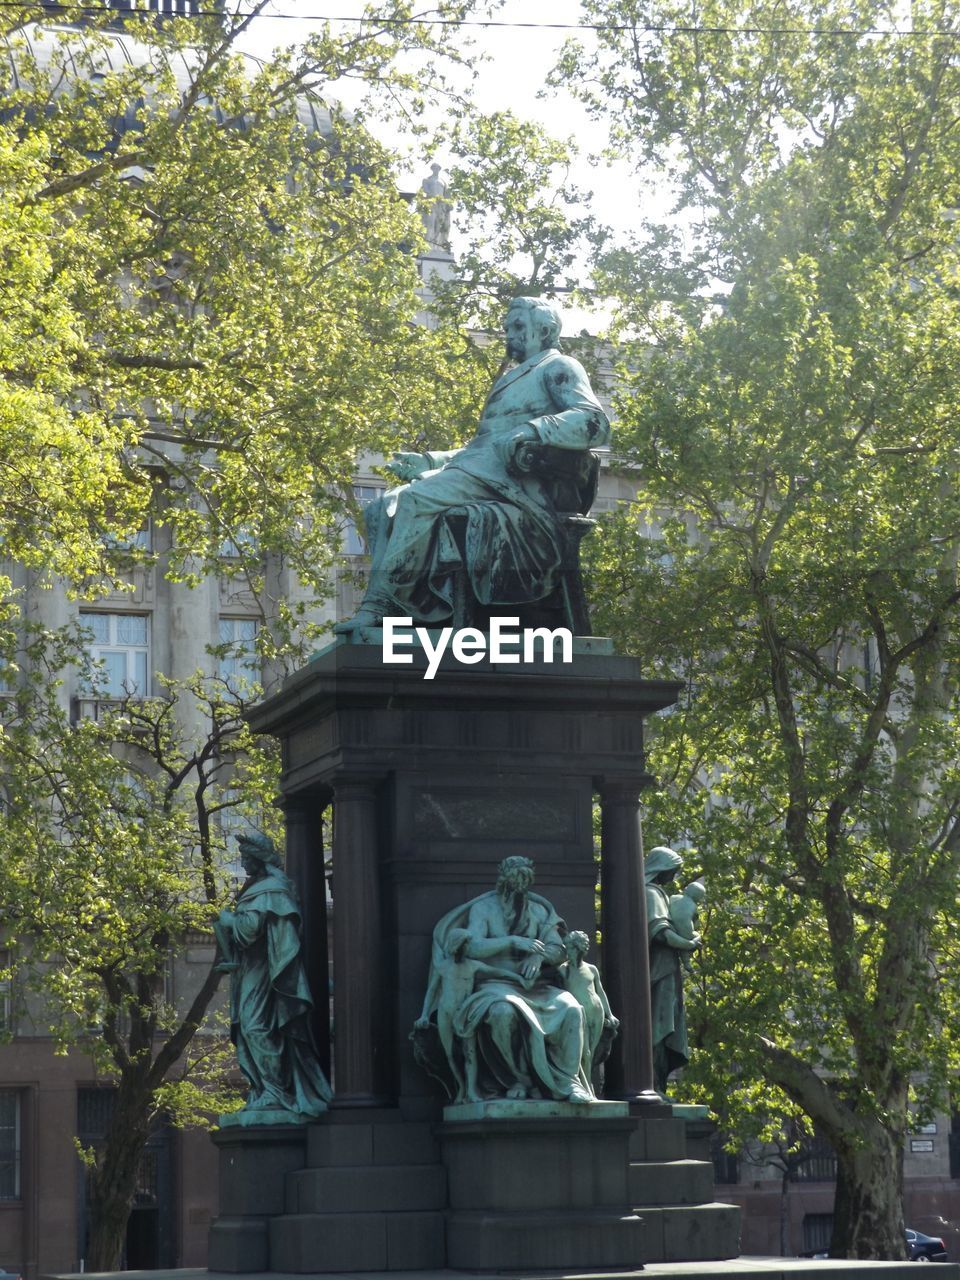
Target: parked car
x=921 y=1248
x=10 y=1275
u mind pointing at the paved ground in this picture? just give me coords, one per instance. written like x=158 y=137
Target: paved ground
x=748 y=1268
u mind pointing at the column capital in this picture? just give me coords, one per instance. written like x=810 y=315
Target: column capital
x=304 y=803
x=356 y=786
x=623 y=789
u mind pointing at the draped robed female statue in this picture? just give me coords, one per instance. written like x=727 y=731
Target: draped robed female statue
x=270 y=1001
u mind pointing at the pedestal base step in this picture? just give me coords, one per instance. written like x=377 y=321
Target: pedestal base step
x=692 y=1233
x=353 y=1189
x=659 y=1139
x=550 y=1240
x=323 y=1242
x=670 y=1182
x=238 y=1245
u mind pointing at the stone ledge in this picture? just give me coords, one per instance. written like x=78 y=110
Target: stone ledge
x=533 y=1109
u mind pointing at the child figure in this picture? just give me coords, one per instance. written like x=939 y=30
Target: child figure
x=582 y=980
x=451 y=982
x=683 y=909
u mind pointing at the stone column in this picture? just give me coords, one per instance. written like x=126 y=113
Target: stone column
x=304 y=823
x=360 y=1050
x=626 y=952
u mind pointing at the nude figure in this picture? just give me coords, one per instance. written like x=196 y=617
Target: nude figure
x=683 y=908
x=582 y=980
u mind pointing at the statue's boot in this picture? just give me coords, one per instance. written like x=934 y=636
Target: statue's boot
x=364 y=617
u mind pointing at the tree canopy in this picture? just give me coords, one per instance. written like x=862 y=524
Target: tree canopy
x=220 y=283
x=788 y=404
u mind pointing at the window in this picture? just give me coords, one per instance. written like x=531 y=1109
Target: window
x=9 y=1144
x=354 y=542
x=817 y=1162
x=121 y=648
x=726 y=1164
x=817 y=1230
x=142 y=540
x=239 y=661
x=6 y=993
x=242 y=543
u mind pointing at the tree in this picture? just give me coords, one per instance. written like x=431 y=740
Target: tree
x=207 y=311
x=114 y=850
x=524 y=227
x=788 y=400
x=221 y=296
x=522 y=230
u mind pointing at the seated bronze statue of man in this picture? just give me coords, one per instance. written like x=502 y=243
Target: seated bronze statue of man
x=486 y=506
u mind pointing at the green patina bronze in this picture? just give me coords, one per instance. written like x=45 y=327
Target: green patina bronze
x=487 y=505
x=517 y=1014
x=270 y=1001
x=670 y=924
x=599 y=1024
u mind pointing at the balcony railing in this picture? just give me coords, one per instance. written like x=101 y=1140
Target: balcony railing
x=91 y=706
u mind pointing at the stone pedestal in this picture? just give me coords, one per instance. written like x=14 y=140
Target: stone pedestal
x=254 y=1163
x=550 y=1192
x=674 y=1194
x=371 y=1196
x=433 y=783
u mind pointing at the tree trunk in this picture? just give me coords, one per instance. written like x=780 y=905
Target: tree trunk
x=868 y=1208
x=114 y=1180
x=784 y=1213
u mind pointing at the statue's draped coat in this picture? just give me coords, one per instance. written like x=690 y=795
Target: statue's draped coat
x=510 y=536
x=270 y=1000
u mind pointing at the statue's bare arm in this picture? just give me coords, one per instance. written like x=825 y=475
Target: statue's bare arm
x=602 y=997
x=483 y=944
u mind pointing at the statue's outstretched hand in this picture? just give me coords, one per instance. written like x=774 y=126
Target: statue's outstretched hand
x=407 y=466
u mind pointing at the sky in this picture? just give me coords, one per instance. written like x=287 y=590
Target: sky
x=518 y=59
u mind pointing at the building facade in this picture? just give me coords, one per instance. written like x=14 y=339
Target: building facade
x=787 y=1202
